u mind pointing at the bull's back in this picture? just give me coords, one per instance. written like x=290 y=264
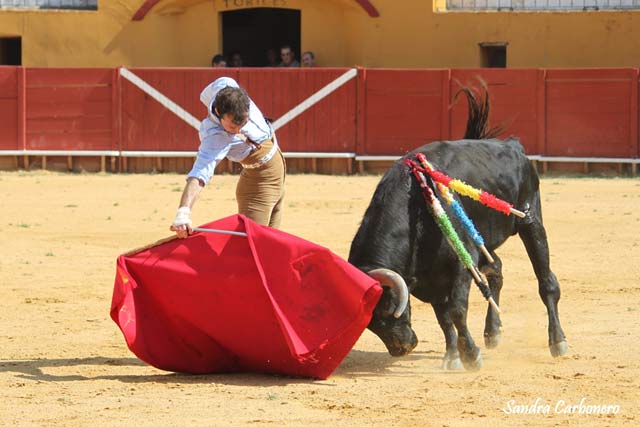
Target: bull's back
x=499 y=167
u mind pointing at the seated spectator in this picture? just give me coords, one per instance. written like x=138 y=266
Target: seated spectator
x=308 y=59
x=236 y=59
x=272 y=58
x=218 y=61
x=288 y=57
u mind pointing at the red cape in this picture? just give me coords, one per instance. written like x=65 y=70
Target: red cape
x=269 y=302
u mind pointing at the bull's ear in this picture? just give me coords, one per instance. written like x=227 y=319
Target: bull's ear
x=389 y=311
x=386 y=305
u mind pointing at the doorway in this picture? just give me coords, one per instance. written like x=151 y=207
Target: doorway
x=252 y=32
x=10 y=51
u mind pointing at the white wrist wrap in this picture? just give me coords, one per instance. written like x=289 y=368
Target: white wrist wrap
x=183 y=217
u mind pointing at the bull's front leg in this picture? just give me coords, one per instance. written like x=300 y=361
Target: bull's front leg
x=469 y=352
x=451 y=360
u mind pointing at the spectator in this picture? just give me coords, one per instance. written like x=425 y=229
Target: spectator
x=218 y=61
x=272 y=58
x=288 y=57
x=236 y=129
x=308 y=59
x=236 y=59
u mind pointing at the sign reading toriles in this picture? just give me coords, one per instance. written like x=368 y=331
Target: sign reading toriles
x=254 y=3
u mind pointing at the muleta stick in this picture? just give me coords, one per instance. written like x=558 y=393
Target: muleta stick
x=449 y=232
x=213 y=230
x=174 y=237
x=465 y=189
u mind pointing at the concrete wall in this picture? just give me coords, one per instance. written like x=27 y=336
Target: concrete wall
x=407 y=34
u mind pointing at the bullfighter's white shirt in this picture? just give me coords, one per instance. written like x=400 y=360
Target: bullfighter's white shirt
x=216 y=143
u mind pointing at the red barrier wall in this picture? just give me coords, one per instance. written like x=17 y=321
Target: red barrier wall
x=582 y=112
x=10 y=111
x=591 y=113
x=327 y=126
x=147 y=125
x=402 y=109
x=71 y=109
x=514 y=102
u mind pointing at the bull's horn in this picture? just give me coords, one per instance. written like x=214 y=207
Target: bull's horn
x=394 y=281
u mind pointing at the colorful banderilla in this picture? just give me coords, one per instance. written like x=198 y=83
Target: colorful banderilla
x=447 y=229
x=458 y=210
x=465 y=189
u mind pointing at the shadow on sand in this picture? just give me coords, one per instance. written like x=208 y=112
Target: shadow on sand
x=356 y=364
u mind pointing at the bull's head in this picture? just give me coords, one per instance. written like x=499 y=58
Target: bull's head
x=391 y=320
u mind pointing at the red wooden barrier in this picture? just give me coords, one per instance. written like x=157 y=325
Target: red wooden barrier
x=634 y=136
x=147 y=125
x=70 y=109
x=327 y=126
x=10 y=122
x=592 y=112
x=575 y=113
x=513 y=96
x=403 y=109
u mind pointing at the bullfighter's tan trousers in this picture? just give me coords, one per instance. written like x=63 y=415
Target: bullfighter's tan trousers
x=260 y=191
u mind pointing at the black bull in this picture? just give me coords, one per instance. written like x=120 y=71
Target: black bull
x=398 y=233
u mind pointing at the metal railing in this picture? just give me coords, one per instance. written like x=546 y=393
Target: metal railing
x=541 y=5
x=49 y=4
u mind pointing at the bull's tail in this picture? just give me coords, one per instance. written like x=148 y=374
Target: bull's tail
x=478 y=115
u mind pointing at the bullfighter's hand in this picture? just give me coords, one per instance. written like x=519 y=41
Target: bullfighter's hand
x=182 y=223
x=182 y=231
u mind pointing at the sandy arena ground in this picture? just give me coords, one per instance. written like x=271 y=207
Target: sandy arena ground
x=63 y=362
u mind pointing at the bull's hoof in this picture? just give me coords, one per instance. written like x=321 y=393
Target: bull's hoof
x=559 y=349
x=491 y=341
x=473 y=365
x=452 y=363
